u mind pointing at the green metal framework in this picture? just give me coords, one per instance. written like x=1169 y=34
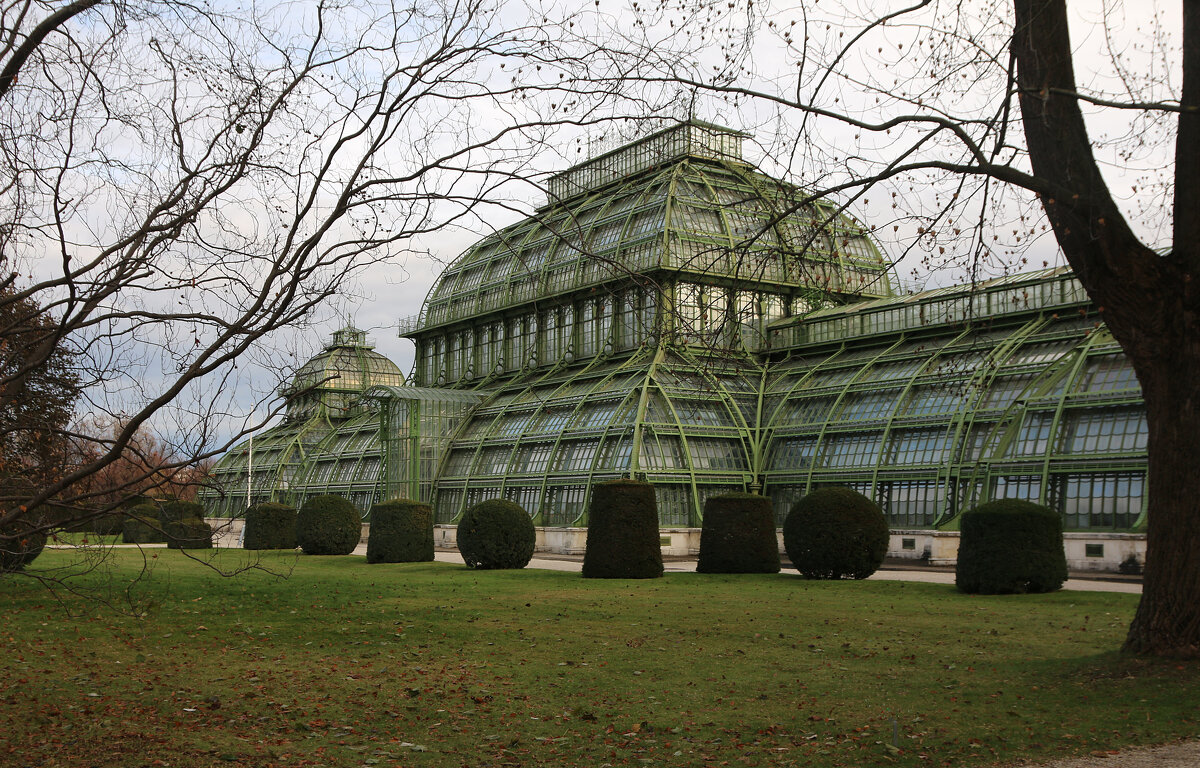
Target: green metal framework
x=412 y=424
x=326 y=442
x=676 y=316
x=945 y=399
x=543 y=439
x=694 y=248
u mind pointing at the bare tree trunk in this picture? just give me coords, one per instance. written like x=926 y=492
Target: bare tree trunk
x=1167 y=622
x=1147 y=300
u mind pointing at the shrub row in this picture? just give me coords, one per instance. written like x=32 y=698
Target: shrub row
x=1006 y=546
x=178 y=523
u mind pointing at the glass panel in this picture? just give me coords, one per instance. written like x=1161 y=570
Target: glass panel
x=1109 y=373
x=661 y=452
x=1110 y=500
x=616 y=453
x=1026 y=487
x=928 y=399
x=575 y=456
x=867 y=406
x=919 y=446
x=1003 y=392
x=794 y=453
x=1108 y=430
x=1034 y=436
x=911 y=503
x=856 y=449
x=532 y=458
x=708 y=454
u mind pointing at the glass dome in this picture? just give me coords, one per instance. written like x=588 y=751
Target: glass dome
x=337 y=375
x=705 y=214
x=297 y=456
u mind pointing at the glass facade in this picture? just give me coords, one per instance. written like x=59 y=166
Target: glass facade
x=932 y=417
x=327 y=440
x=676 y=316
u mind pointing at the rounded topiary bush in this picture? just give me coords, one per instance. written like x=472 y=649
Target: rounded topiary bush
x=270 y=525
x=738 y=535
x=328 y=525
x=835 y=533
x=402 y=532
x=1010 y=546
x=20 y=544
x=622 y=536
x=189 y=533
x=141 y=525
x=496 y=534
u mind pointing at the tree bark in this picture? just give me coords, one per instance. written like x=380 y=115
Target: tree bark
x=1148 y=301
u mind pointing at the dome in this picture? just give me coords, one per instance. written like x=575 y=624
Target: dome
x=346 y=368
x=348 y=363
x=680 y=205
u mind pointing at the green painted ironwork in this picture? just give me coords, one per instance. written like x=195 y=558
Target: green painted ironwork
x=676 y=316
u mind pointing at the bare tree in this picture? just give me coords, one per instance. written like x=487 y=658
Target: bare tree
x=182 y=183
x=971 y=116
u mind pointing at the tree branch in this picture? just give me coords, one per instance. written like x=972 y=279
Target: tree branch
x=47 y=25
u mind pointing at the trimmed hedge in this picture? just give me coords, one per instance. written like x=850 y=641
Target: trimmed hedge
x=622 y=536
x=401 y=532
x=835 y=533
x=189 y=533
x=20 y=544
x=141 y=526
x=738 y=535
x=494 y=534
x=328 y=525
x=270 y=525
x=108 y=524
x=177 y=511
x=1009 y=546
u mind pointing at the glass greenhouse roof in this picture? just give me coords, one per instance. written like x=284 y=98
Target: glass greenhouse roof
x=676 y=316
x=349 y=362
x=707 y=214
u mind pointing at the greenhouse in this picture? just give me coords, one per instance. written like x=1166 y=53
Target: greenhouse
x=327 y=440
x=675 y=315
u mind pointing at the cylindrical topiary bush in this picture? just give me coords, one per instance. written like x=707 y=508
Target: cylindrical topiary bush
x=270 y=525
x=20 y=544
x=738 y=535
x=328 y=525
x=188 y=533
x=1010 y=546
x=622 y=536
x=496 y=534
x=142 y=526
x=402 y=532
x=835 y=533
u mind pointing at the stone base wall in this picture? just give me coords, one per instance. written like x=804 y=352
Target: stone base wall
x=1099 y=551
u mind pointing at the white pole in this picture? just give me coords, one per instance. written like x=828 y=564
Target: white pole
x=249 y=475
x=249 y=468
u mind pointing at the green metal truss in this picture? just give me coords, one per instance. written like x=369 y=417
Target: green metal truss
x=674 y=315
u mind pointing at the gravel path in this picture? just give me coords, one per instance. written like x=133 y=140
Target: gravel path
x=1181 y=754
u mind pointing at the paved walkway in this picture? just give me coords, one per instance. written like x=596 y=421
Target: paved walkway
x=547 y=562
x=930 y=575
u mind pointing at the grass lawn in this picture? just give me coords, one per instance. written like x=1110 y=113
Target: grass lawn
x=346 y=664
